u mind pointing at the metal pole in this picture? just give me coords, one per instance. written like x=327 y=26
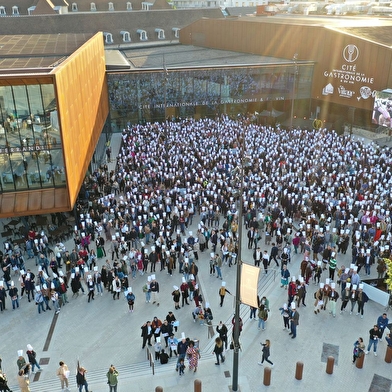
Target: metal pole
x=293 y=90
x=236 y=333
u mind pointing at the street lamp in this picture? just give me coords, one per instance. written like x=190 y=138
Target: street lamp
x=295 y=58
x=236 y=332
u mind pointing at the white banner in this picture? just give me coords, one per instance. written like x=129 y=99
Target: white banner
x=249 y=281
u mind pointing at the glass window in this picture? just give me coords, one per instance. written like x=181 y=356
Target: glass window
x=31 y=155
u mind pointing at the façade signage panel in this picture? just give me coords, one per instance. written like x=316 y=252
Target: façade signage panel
x=348 y=79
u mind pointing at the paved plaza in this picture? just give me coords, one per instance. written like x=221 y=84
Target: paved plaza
x=104 y=332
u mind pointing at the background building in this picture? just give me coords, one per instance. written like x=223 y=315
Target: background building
x=53 y=107
x=57 y=88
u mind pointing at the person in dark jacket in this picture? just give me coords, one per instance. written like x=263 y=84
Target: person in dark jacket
x=374 y=337
x=218 y=350
x=266 y=353
x=81 y=379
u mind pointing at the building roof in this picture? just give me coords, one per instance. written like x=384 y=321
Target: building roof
x=379 y=34
x=109 y=22
x=37 y=51
x=371 y=28
x=44 y=7
x=81 y=5
x=185 y=56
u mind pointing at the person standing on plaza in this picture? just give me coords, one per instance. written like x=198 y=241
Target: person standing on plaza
x=285 y=312
x=13 y=293
x=147 y=332
x=23 y=380
x=284 y=279
x=333 y=297
x=345 y=297
x=154 y=287
x=112 y=376
x=63 y=374
x=184 y=292
x=20 y=362
x=362 y=298
x=146 y=289
x=108 y=154
x=382 y=323
x=218 y=350
x=294 y=321
x=173 y=343
x=181 y=350
x=222 y=292
x=81 y=379
x=116 y=287
x=266 y=353
x=218 y=266
x=193 y=354
x=374 y=337
x=301 y=292
x=263 y=316
x=265 y=260
x=32 y=355
x=4 y=382
x=222 y=331
x=90 y=288
x=176 y=297
x=257 y=255
x=131 y=299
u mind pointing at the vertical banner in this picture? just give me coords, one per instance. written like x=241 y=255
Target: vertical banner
x=249 y=281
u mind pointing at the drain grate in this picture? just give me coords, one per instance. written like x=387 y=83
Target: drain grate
x=44 y=361
x=227 y=374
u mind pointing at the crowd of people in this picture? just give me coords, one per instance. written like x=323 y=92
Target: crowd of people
x=309 y=192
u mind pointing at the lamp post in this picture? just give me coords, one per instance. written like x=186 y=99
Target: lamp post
x=295 y=58
x=236 y=332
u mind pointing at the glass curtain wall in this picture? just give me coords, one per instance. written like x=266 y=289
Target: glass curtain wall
x=31 y=155
x=156 y=95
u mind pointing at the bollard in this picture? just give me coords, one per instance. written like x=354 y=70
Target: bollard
x=298 y=370
x=330 y=363
x=197 y=385
x=359 y=361
x=388 y=355
x=158 y=389
x=267 y=376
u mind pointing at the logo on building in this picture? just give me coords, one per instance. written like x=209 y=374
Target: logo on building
x=343 y=92
x=328 y=89
x=365 y=92
x=350 y=53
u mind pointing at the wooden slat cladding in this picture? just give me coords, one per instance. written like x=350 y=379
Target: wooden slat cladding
x=37 y=202
x=82 y=96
